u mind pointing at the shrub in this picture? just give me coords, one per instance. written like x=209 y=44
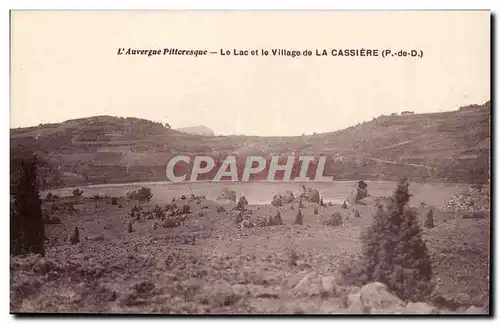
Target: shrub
x=357 y=214
x=114 y=201
x=77 y=192
x=276 y=202
x=241 y=204
x=26 y=224
x=144 y=194
x=292 y=257
x=429 y=219
x=75 y=237
x=315 y=211
x=298 y=218
x=275 y=220
x=186 y=209
x=393 y=250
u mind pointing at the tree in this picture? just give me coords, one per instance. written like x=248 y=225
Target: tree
x=394 y=252
x=26 y=224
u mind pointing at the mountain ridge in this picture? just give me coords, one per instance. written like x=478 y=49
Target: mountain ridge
x=104 y=149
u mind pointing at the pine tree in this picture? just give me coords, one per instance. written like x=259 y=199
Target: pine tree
x=26 y=224
x=394 y=252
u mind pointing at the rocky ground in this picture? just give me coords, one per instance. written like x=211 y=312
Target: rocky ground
x=202 y=261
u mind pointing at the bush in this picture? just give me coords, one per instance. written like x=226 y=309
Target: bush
x=75 y=237
x=394 y=252
x=143 y=194
x=298 y=218
x=114 y=201
x=429 y=219
x=77 y=192
x=26 y=224
x=186 y=209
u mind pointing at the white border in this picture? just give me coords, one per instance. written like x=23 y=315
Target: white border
x=187 y=4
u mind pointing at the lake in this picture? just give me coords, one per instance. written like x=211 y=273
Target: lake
x=262 y=192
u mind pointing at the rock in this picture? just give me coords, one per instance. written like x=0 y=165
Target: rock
x=354 y=304
x=275 y=220
x=328 y=285
x=332 y=220
x=310 y=195
x=377 y=298
x=309 y=285
x=287 y=197
x=241 y=204
x=420 y=308
x=277 y=201
x=475 y=310
x=358 y=192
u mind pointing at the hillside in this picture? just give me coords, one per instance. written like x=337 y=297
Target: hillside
x=447 y=146
x=197 y=130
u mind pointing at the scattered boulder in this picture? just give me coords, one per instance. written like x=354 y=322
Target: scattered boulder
x=420 y=308
x=241 y=204
x=275 y=220
x=239 y=217
x=376 y=298
x=310 y=195
x=358 y=192
x=332 y=220
x=277 y=201
x=287 y=197
x=475 y=310
x=246 y=224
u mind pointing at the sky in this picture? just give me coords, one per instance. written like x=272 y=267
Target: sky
x=64 y=65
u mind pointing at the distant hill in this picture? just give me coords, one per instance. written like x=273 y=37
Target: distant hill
x=446 y=146
x=197 y=130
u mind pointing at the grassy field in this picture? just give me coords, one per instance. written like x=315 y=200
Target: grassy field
x=206 y=264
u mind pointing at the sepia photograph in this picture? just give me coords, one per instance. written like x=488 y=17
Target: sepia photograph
x=250 y=162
